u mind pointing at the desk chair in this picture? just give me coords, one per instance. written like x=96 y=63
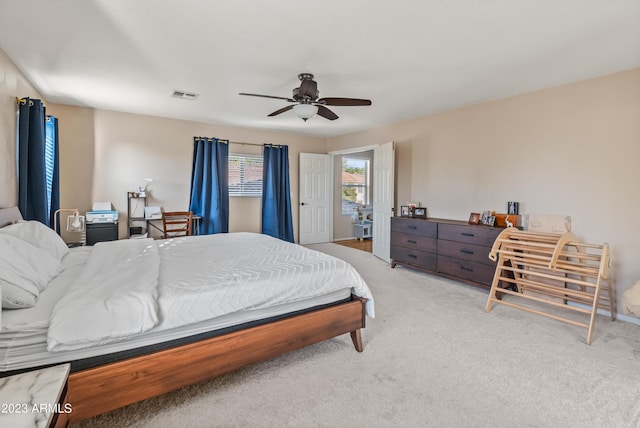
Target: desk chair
x=177 y=223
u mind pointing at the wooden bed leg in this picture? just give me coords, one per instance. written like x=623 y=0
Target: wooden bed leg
x=357 y=340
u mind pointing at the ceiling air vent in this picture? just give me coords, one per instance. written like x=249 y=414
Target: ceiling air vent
x=184 y=95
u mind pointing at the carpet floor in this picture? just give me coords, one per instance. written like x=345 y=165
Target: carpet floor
x=432 y=358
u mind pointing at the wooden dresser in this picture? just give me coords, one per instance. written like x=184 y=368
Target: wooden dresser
x=450 y=248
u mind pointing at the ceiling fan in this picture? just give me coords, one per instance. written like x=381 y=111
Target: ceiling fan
x=307 y=102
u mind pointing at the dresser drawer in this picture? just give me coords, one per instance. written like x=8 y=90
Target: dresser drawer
x=416 y=242
x=479 y=235
x=464 y=251
x=414 y=227
x=473 y=271
x=414 y=257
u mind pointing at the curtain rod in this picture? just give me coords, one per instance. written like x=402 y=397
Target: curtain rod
x=241 y=142
x=246 y=144
x=233 y=142
x=23 y=101
x=256 y=144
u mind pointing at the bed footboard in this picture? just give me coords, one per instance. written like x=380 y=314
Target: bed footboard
x=101 y=389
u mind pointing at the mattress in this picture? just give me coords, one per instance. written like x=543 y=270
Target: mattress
x=23 y=338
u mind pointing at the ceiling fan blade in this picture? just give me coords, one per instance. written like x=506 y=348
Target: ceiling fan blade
x=268 y=96
x=282 y=110
x=344 y=102
x=326 y=113
x=308 y=88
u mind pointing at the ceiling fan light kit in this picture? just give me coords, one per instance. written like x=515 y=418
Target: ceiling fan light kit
x=307 y=102
x=305 y=111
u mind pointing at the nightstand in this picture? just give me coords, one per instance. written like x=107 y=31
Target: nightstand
x=35 y=399
x=101 y=232
x=363 y=229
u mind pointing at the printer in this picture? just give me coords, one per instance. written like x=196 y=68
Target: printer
x=107 y=216
x=102 y=212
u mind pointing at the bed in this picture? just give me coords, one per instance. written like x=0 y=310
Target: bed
x=218 y=303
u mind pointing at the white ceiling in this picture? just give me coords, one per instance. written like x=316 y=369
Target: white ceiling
x=411 y=57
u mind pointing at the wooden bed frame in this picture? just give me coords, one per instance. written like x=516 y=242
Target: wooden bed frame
x=105 y=388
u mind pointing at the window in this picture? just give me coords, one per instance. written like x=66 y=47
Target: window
x=355 y=184
x=245 y=175
x=49 y=155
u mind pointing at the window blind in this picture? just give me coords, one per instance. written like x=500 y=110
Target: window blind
x=245 y=175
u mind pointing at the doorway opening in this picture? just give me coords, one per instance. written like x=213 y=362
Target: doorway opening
x=353 y=223
x=364 y=245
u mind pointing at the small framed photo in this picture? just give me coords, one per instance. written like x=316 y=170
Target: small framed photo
x=474 y=218
x=420 y=212
x=404 y=211
x=491 y=220
x=484 y=216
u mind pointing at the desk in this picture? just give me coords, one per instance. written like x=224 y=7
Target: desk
x=195 y=226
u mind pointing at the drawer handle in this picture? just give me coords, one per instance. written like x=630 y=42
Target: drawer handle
x=412 y=227
x=466 y=234
x=466 y=269
x=466 y=251
x=411 y=241
x=412 y=256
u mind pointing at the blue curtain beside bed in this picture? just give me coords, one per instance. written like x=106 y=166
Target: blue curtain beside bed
x=37 y=162
x=210 y=184
x=277 y=220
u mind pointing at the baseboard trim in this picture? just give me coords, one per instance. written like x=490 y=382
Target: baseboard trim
x=344 y=239
x=627 y=318
x=621 y=317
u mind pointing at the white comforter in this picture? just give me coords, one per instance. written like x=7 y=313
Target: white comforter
x=196 y=279
x=114 y=296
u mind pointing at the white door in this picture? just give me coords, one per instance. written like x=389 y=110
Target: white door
x=383 y=199
x=315 y=213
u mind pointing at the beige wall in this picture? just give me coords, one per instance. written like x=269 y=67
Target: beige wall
x=77 y=155
x=572 y=149
x=112 y=152
x=12 y=84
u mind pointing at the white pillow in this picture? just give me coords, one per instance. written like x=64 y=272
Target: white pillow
x=24 y=271
x=38 y=235
x=15 y=297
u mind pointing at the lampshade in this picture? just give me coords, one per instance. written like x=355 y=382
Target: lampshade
x=75 y=222
x=305 y=111
x=142 y=189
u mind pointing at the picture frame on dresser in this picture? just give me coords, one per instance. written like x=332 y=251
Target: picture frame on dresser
x=474 y=218
x=420 y=212
x=404 y=211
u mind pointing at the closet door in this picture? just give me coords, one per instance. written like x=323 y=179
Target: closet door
x=316 y=208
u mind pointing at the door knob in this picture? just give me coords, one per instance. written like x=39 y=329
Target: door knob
x=302 y=203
